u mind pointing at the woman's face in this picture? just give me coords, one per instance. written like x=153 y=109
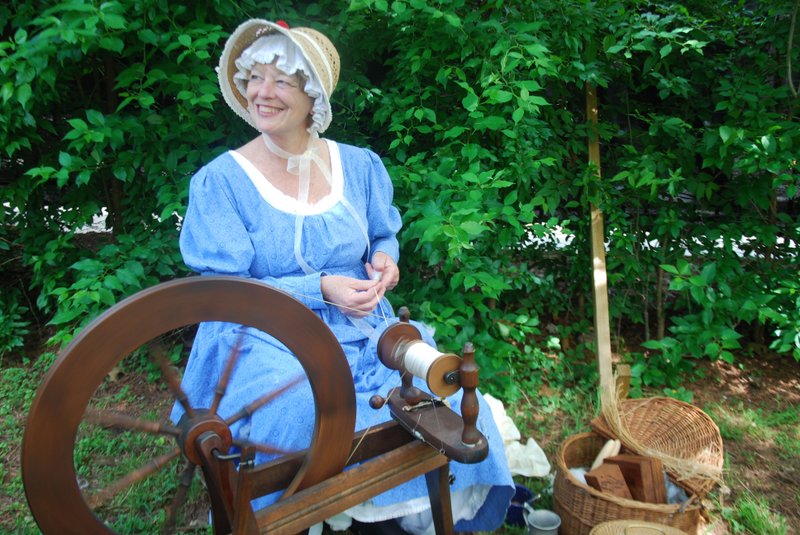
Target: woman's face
x=277 y=102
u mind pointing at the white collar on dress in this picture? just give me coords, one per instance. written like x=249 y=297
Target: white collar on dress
x=286 y=203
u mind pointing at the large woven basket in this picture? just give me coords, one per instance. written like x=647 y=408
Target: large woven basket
x=582 y=508
x=634 y=527
x=681 y=435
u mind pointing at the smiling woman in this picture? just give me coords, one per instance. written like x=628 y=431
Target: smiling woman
x=314 y=218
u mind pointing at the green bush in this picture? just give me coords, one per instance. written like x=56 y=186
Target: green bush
x=478 y=109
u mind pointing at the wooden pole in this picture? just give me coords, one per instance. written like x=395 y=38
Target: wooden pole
x=602 y=328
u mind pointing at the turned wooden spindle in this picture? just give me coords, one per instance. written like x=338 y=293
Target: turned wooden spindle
x=404 y=315
x=468 y=375
x=408 y=391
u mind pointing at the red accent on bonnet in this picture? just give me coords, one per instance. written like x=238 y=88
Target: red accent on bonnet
x=282 y=24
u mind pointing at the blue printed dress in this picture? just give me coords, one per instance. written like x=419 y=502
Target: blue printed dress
x=238 y=224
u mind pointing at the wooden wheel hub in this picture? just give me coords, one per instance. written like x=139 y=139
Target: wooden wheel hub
x=193 y=428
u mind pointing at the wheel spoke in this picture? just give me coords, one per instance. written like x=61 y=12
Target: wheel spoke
x=173 y=381
x=185 y=481
x=263 y=448
x=222 y=386
x=110 y=419
x=260 y=402
x=105 y=494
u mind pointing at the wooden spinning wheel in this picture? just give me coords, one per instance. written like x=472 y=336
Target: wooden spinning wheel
x=51 y=484
x=313 y=482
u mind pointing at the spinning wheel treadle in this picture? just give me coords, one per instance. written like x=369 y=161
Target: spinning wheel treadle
x=51 y=485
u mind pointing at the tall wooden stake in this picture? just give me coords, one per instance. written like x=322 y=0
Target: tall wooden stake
x=602 y=329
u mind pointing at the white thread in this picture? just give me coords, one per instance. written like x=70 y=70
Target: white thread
x=380 y=306
x=312 y=298
x=419 y=359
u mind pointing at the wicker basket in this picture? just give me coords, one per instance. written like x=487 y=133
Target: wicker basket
x=634 y=527
x=671 y=430
x=581 y=507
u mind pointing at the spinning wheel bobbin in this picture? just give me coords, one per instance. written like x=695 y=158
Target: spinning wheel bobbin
x=401 y=348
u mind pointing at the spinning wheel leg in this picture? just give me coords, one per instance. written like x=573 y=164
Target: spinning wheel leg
x=54 y=438
x=438 y=482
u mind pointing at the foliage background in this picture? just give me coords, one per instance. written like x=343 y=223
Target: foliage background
x=478 y=111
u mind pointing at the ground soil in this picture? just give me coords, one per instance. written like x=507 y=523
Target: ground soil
x=772 y=384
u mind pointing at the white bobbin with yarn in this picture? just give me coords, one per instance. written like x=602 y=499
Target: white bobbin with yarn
x=426 y=362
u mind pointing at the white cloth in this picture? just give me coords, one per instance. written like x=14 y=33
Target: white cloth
x=527 y=460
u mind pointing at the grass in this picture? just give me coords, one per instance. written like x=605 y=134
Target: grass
x=753 y=515
x=758 y=440
x=17 y=389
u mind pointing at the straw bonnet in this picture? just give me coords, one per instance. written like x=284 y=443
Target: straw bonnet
x=317 y=50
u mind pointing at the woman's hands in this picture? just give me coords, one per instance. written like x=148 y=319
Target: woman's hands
x=354 y=297
x=358 y=298
x=383 y=263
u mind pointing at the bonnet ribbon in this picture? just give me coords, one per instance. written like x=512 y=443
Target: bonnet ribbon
x=300 y=165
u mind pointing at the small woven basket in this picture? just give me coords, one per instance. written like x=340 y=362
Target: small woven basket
x=634 y=527
x=582 y=508
x=682 y=436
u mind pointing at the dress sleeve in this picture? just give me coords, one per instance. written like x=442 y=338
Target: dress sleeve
x=215 y=241
x=383 y=218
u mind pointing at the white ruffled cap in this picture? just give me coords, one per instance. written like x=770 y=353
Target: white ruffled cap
x=288 y=58
x=296 y=49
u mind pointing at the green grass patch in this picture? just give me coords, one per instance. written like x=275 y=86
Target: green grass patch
x=753 y=515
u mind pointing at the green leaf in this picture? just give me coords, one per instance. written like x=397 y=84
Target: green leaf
x=24 y=94
x=112 y=282
x=148 y=36
x=78 y=124
x=669 y=269
x=106 y=296
x=473 y=228
x=64 y=159
x=62 y=176
x=665 y=50
x=454 y=132
x=126 y=277
x=65 y=316
x=493 y=122
x=499 y=96
x=7 y=91
x=89 y=265
x=135 y=268
x=20 y=36
x=95 y=117
x=113 y=44
x=83 y=177
x=470 y=102
x=726 y=132
x=115 y=22
x=185 y=40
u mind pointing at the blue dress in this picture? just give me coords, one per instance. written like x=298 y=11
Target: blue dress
x=238 y=224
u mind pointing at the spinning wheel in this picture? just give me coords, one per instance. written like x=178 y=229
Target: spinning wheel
x=51 y=485
x=314 y=482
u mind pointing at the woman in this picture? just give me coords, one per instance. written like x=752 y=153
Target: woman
x=314 y=218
